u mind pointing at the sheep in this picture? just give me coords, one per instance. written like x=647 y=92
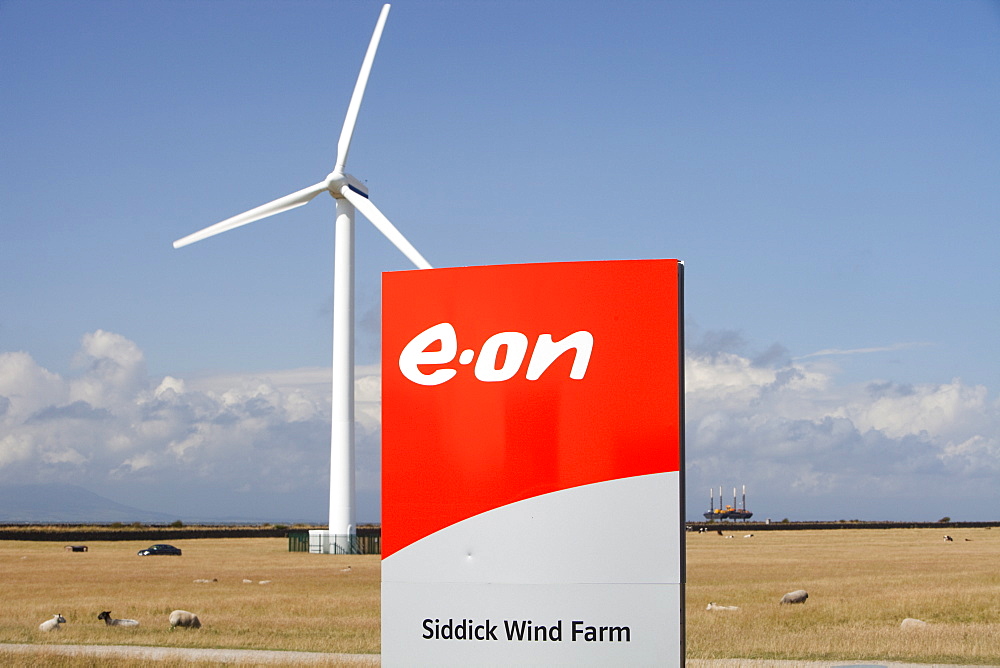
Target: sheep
x=106 y=616
x=185 y=619
x=910 y=623
x=797 y=596
x=716 y=606
x=53 y=624
x=948 y=539
x=205 y=581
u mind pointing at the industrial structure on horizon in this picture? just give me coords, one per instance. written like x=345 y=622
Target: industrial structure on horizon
x=728 y=512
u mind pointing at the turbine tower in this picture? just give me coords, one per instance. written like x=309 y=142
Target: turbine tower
x=351 y=195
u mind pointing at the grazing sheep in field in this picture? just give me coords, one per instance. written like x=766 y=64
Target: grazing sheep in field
x=183 y=618
x=106 y=616
x=749 y=535
x=797 y=596
x=948 y=539
x=716 y=606
x=910 y=623
x=53 y=624
x=204 y=581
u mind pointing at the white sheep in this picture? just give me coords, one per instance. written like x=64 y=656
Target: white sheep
x=185 y=619
x=910 y=623
x=716 y=606
x=797 y=596
x=106 y=616
x=53 y=624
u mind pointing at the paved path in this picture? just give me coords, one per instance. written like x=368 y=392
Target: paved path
x=179 y=654
x=271 y=657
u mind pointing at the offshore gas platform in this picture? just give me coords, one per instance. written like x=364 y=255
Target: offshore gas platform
x=728 y=512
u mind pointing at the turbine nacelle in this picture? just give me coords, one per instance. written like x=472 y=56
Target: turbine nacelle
x=335 y=182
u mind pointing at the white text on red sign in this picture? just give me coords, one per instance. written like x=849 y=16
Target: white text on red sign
x=545 y=352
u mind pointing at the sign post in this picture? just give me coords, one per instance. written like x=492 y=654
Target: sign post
x=532 y=484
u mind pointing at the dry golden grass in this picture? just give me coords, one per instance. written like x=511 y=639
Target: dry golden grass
x=309 y=605
x=53 y=659
x=861 y=584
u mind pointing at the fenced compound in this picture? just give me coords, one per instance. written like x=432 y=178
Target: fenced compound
x=367 y=541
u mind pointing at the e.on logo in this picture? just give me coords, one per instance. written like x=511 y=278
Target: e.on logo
x=545 y=352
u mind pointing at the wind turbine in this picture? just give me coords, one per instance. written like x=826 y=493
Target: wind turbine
x=350 y=195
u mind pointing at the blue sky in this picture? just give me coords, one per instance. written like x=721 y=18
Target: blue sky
x=826 y=170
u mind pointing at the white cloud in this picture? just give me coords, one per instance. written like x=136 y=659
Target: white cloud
x=811 y=448
x=861 y=351
x=115 y=370
x=806 y=446
x=108 y=427
x=978 y=456
x=27 y=387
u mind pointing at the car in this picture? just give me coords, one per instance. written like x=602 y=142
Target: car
x=159 y=549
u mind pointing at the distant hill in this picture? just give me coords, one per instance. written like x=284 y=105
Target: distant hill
x=67 y=504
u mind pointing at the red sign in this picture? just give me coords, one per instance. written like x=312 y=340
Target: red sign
x=503 y=383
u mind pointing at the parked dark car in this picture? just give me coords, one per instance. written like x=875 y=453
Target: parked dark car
x=159 y=549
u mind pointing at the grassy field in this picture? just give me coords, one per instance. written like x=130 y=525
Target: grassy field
x=310 y=603
x=861 y=584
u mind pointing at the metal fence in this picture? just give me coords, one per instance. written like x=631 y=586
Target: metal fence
x=298 y=541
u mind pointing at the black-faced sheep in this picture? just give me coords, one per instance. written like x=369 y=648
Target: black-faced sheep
x=797 y=596
x=53 y=624
x=106 y=616
x=184 y=619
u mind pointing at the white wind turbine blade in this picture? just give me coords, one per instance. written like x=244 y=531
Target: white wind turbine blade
x=344 y=145
x=285 y=203
x=371 y=212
